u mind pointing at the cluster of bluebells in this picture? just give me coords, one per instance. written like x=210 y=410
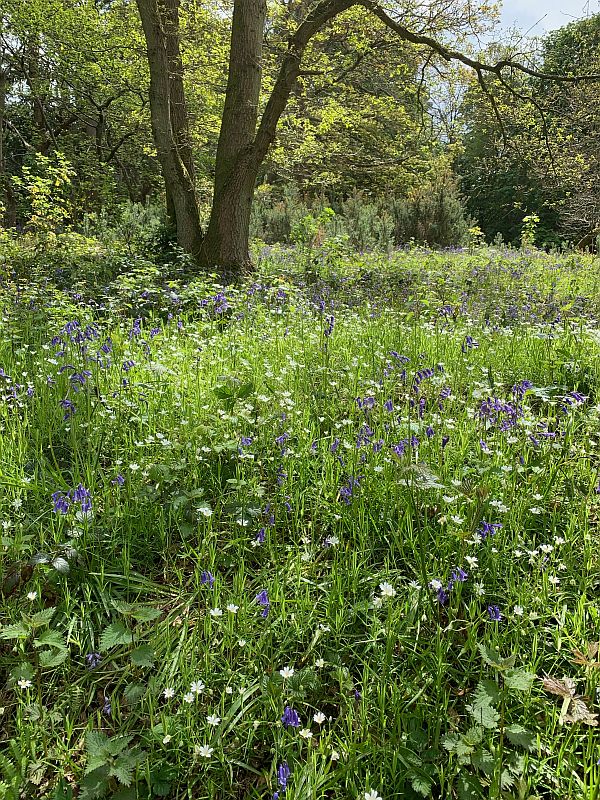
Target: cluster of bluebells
x=63 y=501
x=443 y=592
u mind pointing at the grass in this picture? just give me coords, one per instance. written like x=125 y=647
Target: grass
x=346 y=439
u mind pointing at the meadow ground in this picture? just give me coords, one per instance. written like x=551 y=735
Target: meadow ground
x=330 y=534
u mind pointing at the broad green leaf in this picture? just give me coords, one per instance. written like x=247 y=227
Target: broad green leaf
x=520 y=736
x=115 y=634
x=143 y=656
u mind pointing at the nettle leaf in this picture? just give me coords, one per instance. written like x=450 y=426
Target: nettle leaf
x=61 y=565
x=143 y=656
x=420 y=782
x=519 y=679
x=563 y=688
x=469 y=788
x=50 y=639
x=96 y=743
x=481 y=709
x=133 y=693
x=493 y=658
x=53 y=658
x=17 y=631
x=473 y=736
x=94 y=785
x=145 y=613
x=451 y=742
x=41 y=618
x=483 y=760
x=115 y=634
x=520 y=736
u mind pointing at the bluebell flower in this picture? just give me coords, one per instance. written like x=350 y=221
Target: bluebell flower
x=93 y=660
x=283 y=774
x=61 y=502
x=494 y=613
x=290 y=718
x=207 y=579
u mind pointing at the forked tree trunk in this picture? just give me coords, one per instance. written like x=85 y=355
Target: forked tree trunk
x=169 y=118
x=226 y=241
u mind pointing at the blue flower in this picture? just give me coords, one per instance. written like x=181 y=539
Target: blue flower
x=494 y=613
x=61 y=502
x=283 y=773
x=207 y=579
x=290 y=718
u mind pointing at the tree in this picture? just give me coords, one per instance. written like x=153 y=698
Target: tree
x=246 y=134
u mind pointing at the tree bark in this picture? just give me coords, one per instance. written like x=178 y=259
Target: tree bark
x=242 y=147
x=226 y=241
x=169 y=119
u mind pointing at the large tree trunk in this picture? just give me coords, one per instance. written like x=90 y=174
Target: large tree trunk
x=169 y=118
x=242 y=147
x=226 y=241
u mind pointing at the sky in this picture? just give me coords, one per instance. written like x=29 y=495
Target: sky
x=545 y=15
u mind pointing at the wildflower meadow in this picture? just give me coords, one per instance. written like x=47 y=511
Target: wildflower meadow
x=331 y=532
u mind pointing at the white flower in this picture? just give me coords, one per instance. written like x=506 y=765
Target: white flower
x=167 y=739
x=213 y=720
x=377 y=602
x=242 y=642
x=558 y=540
x=189 y=697
x=197 y=687
x=414 y=585
x=320 y=662
x=335 y=756
x=31 y=595
x=546 y=548
x=553 y=580
x=518 y=611
x=205 y=751
x=471 y=561
x=168 y=693
x=372 y=795
x=232 y=608
x=319 y=717
x=456 y=519
x=134 y=467
x=216 y=612
x=435 y=584
x=229 y=690
x=479 y=589
x=387 y=590
x=23 y=683
x=286 y=672
x=305 y=733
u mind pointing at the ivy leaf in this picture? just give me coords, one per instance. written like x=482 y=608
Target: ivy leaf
x=115 y=634
x=520 y=736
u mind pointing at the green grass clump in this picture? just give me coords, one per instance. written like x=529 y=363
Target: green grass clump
x=333 y=531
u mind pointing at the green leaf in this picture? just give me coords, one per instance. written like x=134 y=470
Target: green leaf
x=133 y=693
x=145 y=613
x=94 y=785
x=519 y=679
x=420 y=782
x=17 y=631
x=493 y=658
x=481 y=709
x=143 y=656
x=50 y=639
x=115 y=634
x=53 y=658
x=123 y=771
x=41 y=618
x=96 y=743
x=469 y=788
x=483 y=760
x=520 y=736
